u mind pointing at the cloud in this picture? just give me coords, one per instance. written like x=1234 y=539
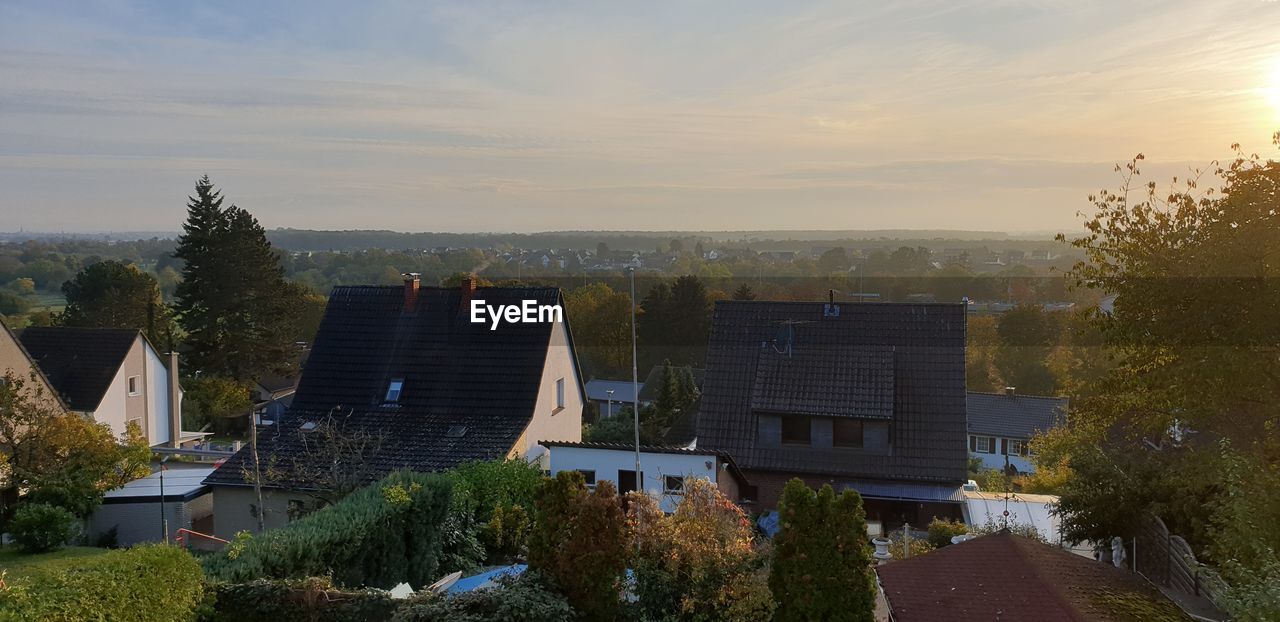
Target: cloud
x=457 y=115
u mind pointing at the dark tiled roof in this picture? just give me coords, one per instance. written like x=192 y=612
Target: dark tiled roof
x=927 y=429
x=1013 y=416
x=1007 y=577
x=825 y=379
x=456 y=374
x=80 y=363
x=651 y=449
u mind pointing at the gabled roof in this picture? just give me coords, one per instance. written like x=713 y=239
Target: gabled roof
x=6 y=334
x=1007 y=577
x=825 y=379
x=921 y=344
x=623 y=391
x=457 y=376
x=1013 y=416
x=80 y=363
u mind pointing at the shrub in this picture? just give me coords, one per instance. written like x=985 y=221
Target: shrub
x=901 y=548
x=506 y=535
x=526 y=598
x=698 y=563
x=821 y=566
x=306 y=600
x=40 y=527
x=941 y=530
x=482 y=492
x=149 y=583
x=579 y=543
x=378 y=536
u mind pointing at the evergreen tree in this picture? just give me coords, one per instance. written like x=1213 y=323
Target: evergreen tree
x=744 y=292
x=111 y=294
x=579 y=543
x=239 y=313
x=821 y=568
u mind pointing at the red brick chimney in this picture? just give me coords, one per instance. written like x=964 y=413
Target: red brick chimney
x=411 y=282
x=468 y=289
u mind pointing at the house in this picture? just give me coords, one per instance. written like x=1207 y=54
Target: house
x=1001 y=426
x=135 y=513
x=610 y=396
x=406 y=369
x=1003 y=576
x=14 y=359
x=115 y=376
x=272 y=395
x=663 y=470
x=868 y=396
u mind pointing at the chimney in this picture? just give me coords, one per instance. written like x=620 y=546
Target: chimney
x=1010 y=391
x=468 y=289
x=175 y=403
x=411 y=282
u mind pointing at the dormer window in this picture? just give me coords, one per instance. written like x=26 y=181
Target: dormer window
x=393 y=390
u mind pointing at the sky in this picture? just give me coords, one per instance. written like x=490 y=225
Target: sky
x=544 y=115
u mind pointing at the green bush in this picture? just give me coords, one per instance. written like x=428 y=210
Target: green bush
x=306 y=600
x=941 y=530
x=821 y=566
x=149 y=583
x=483 y=492
x=379 y=536
x=579 y=543
x=40 y=527
x=516 y=599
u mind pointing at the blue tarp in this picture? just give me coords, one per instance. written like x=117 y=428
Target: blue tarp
x=474 y=582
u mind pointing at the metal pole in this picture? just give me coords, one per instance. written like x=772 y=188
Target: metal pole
x=164 y=518
x=635 y=380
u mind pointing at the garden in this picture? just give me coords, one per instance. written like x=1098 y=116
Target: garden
x=591 y=554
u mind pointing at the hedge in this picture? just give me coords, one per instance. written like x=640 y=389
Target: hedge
x=149 y=583
x=379 y=536
x=307 y=600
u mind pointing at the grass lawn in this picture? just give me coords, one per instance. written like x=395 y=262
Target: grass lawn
x=19 y=564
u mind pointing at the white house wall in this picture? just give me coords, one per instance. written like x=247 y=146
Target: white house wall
x=548 y=423
x=655 y=466
x=157 y=392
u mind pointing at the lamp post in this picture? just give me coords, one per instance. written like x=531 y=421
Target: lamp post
x=164 y=518
x=635 y=379
x=610 y=398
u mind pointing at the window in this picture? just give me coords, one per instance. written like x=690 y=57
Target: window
x=134 y=382
x=673 y=485
x=982 y=444
x=560 y=394
x=589 y=477
x=846 y=432
x=1016 y=448
x=393 y=390
x=795 y=430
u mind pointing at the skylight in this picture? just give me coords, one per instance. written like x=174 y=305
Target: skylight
x=393 y=390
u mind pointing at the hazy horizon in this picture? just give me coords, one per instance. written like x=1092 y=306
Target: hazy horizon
x=989 y=115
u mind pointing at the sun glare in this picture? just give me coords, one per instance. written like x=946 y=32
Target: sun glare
x=1273 y=87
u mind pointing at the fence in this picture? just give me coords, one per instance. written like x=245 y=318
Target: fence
x=1167 y=560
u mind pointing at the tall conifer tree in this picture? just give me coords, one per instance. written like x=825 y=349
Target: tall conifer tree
x=238 y=310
